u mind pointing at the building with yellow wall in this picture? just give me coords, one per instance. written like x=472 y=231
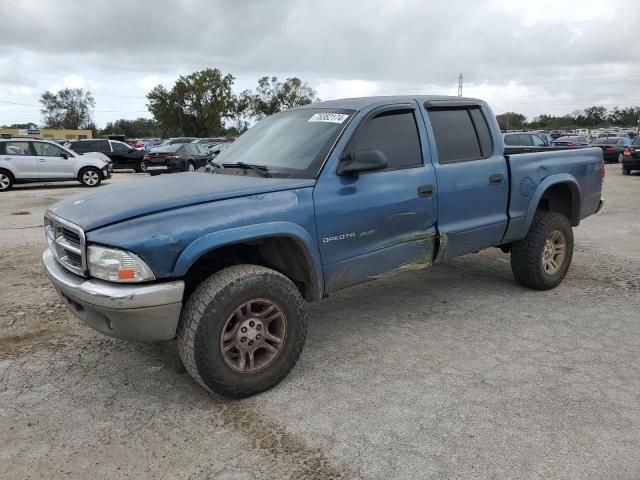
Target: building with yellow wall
x=60 y=134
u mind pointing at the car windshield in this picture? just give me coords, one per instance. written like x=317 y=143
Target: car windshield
x=293 y=143
x=606 y=141
x=174 y=147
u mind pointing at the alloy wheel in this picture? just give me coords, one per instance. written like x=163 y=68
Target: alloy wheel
x=90 y=177
x=554 y=252
x=253 y=335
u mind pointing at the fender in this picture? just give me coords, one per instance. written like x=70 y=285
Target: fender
x=559 y=178
x=211 y=241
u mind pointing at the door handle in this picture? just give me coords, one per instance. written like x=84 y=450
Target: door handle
x=42 y=160
x=425 y=191
x=496 y=179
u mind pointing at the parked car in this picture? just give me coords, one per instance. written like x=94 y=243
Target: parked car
x=216 y=149
x=570 y=141
x=525 y=141
x=151 y=144
x=172 y=141
x=31 y=160
x=211 y=140
x=178 y=157
x=310 y=201
x=121 y=154
x=631 y=157
x=612 y=147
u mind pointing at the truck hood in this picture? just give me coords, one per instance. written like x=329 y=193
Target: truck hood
x=115 y=203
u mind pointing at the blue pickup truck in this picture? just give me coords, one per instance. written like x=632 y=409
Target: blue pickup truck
x=305 y=203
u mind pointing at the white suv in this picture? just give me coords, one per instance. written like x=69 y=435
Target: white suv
x=25 y=160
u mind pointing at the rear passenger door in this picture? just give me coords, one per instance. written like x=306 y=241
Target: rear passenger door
x=472 y=179
x=18 y=158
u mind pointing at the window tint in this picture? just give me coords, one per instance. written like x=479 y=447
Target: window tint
x=537 y=141
x=119 y=147
x=99 y=146
x=482 y=129
x=17 y=148
x=47 y=149
x=393 y=133
x=511 y=139
x=455 y=136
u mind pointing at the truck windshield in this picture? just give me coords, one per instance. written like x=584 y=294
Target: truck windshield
x=291 y=144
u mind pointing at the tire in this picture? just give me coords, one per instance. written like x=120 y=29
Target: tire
x=530 y=256
x=141 y=167
x=90 y=177
x=205 y=327
x=191 y=167
x=6 y=181
x=620 y=158
x=626 y=171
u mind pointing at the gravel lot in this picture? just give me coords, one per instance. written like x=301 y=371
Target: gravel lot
x=450 y=372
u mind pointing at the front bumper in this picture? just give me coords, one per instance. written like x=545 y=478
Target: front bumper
x=106 y=171
x=145 y=312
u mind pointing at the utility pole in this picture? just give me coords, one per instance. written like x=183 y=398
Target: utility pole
x=460 y=79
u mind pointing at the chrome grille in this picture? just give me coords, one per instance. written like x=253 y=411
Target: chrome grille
x=67 y=243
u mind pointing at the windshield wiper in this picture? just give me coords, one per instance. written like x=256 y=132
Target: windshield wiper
x=261 y=169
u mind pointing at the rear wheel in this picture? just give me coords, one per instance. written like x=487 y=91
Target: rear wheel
x=191 y=167
x=90 y=177
x=242 y=330
x=626 y=171
x=541 y=259
x=620 y=157
x=142 y=167
x=6 y=181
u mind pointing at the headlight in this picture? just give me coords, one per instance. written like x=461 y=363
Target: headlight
x=116 y=265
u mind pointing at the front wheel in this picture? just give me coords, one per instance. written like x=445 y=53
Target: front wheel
x=191 y=167
x=242 y=330
x=541 y=259
x=626 y=171
x=90 y=177
x=620 y=158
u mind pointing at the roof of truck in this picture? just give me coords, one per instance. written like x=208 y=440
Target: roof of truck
x=362 y=102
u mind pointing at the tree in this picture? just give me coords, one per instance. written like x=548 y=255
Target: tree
x=199 y=104
x=272 y=96
x=23 y=126
x=138 y=128
x=69 y=108
x=595 y=115
x=511 y=121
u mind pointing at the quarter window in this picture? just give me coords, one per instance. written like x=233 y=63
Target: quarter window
x=395 y=134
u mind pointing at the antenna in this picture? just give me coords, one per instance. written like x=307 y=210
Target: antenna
x=460 y=80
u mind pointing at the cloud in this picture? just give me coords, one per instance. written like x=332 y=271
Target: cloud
x=546 y=55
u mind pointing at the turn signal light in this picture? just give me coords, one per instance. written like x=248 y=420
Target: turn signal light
x=126 y=274
x=627 y=152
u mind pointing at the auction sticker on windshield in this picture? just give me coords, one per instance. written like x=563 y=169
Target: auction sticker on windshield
x=329 y=117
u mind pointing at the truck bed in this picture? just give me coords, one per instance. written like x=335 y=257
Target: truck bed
x=581 y=168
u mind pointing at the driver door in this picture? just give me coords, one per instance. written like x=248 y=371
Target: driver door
x=53 y=161
x=376 y=222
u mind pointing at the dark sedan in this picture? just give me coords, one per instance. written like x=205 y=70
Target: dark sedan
x=612 y=148
x=179 y=157
x=631 y=157
x=570 y=141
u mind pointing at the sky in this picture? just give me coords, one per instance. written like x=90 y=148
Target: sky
x=530 y=57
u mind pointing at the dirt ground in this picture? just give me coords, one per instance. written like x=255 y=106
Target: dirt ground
x=451 y=372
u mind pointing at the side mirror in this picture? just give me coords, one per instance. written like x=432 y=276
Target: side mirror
x=64 y=155
x=362 y=161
